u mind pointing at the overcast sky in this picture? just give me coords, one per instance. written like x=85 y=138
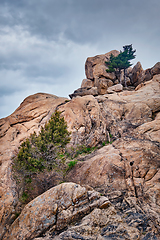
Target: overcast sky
x=44 y=43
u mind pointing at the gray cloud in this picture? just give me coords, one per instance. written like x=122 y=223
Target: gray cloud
x=44 y=44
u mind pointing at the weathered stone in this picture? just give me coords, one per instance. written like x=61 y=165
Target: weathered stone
x=155 y=69
x=150 y=130
x=141 y=76
x=115 y=88
x=101 y=224
x=84 y=91
x=57 y=207
x=103 y=84
x=127 y=172
x=99 y=71
x=97 y=60
x=87 y=83
x=136 y=72
x=105 y=169
x=33 y=112
x=85 y=121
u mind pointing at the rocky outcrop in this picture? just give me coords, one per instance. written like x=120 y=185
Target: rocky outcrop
x=150 y=130
x=98 y=80
x=64 y=205
x=56 y=208
x=33 y=112
x=113 y=192
x=140 y=76
x=127 y=165
x=85 y=121
x=136 y=73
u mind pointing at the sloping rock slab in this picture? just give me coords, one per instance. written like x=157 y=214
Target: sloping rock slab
x=55 y=208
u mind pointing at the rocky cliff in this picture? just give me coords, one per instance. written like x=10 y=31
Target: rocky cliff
x=112 y=192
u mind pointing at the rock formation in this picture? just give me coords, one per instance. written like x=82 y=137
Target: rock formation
x=98 y=80
x=111 y=193
x=33 y=112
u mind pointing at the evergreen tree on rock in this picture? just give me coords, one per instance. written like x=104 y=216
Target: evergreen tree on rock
x=121 y=62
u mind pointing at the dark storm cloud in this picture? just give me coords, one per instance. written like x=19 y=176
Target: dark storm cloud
x=44 y=43
x=82 y=21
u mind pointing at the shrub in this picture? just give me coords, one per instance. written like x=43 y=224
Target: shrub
x=71 y=164
x=39 y=152
x=33 y=153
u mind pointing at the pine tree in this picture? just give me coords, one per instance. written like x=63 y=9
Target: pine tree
x=121 y=62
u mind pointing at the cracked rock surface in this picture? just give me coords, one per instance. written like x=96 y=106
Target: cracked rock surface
x=112 y=193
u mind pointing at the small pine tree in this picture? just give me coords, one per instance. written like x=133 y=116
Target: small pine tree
x=42 y=151
x=121 y=62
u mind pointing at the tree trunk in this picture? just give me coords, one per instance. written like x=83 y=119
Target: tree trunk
x=125 y=77
x=120 y=79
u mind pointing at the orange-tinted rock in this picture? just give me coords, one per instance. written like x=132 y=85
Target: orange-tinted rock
x=33 y=112
x=85 y=121
x=136 y=72
x=92 y=62
x=87 y=83
x=56 y=208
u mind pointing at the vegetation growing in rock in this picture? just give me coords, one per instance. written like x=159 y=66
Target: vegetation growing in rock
x=121 y=62
x=46 y=154
x=45 y=151
x=34 y=153
x=71 y=164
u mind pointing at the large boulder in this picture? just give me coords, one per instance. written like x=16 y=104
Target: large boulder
x=83 y=91
x=95 y=66
x=115 y=88
x=99 y=71
x=87 y=83
x=136 y=72
x=55 y=208
x=98 y=80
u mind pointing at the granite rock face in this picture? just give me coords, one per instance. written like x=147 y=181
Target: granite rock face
x=111 y=193
x=56 y=208
x=95 y=66
x=33 y=112
x=97 y=77
x=139 y=75
x=85 y=121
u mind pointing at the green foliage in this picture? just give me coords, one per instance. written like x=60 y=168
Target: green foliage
x=71 y=164
x=39 y=152
x=33 y=153
x=122 y=61
x=54 y=132
x=81 y=149
x=24 y=197
x=110 y=135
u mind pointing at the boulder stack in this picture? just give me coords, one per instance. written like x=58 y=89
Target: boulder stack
x=98 y=80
